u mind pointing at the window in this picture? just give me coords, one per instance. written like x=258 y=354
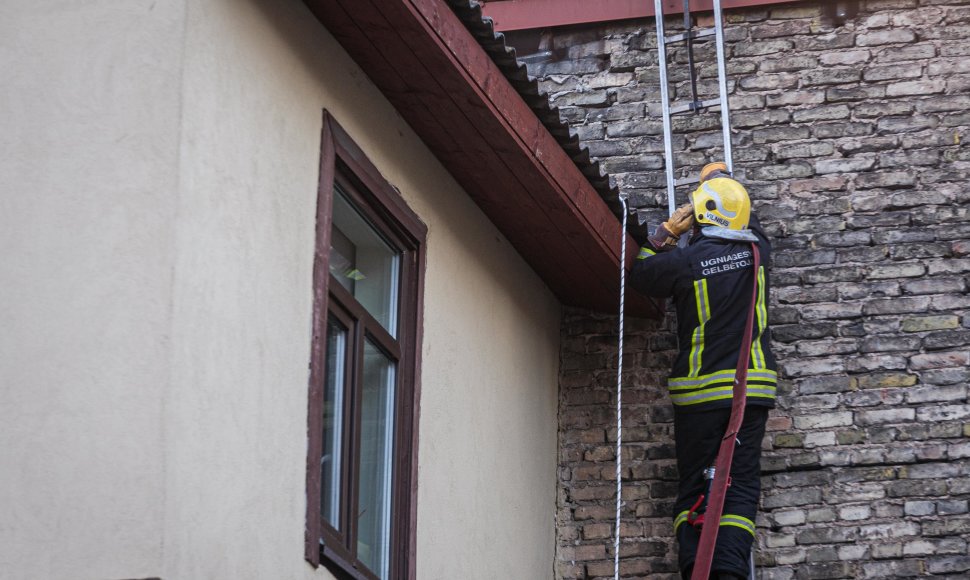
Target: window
x=367 y=279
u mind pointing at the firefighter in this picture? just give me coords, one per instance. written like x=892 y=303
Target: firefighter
x=710 y=280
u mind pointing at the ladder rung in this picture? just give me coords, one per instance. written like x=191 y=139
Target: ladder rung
x=687 y=181
x=692 y=34
x=694 y=106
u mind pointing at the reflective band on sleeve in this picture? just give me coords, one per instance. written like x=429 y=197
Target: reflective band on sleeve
x=645 y=253
x=738 y=521
x=680 y=519
x=726 y=520
x=703 y=315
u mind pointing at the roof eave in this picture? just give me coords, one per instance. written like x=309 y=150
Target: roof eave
x=434 y=72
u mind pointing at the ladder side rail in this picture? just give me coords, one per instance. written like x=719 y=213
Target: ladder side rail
x=665 y=105
x=722 y=84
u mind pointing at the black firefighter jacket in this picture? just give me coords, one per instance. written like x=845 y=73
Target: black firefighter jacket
x=710 y=281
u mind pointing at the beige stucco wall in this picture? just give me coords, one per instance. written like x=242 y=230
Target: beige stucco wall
x=154 y=366
x=88 y=175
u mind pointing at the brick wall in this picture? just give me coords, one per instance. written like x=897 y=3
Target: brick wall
x=850 y=136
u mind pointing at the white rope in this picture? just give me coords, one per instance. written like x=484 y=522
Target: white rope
x=619 y=396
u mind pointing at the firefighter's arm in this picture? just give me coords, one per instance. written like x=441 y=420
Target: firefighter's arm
x=656 y=268
x=655 y=273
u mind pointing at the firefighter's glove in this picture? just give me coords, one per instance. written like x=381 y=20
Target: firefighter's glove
x=667 y=233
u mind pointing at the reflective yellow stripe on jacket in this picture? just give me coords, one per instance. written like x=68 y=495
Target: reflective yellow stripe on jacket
x=703 y=315
x=761 y=311
x=720 y=385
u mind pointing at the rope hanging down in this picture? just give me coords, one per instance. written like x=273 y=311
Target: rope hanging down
x=619 y=396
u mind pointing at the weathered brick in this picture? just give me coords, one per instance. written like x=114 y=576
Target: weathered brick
x=892 y=569
x=825 y=384
x=875 y=362
x=919 y=51
x=832 y=311
x=583 y=552
x=826 y=535
x=822 y=348
x=952 y=266
x=946 y=339
x=844 y=165
x=788 y=171
x=800 y=150
x=936 y=393
x=850 y=93
x=837 y=274
x=884 y=380
x=947 y=66
x=892 y=72
x=823 y=421
x=824 y=571
x=943 y=413
x=776 y=134
x=830 y=76
x=825 y=41
x=880 y=272
x=897 y=305
x=890 y=179
x=905 y=125
x=828 y=113
x=798 y=497
x=769 y=82
x=789 y=98
x=926 y=323
x=949 y=564
x=935 y=286
x=940 y=360
x=787 y=62
x=880 y=37
x=915 y=88
x=889 y=344
x=881 y=416
x=855 y=291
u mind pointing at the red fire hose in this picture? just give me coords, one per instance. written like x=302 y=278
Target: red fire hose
x=722 y=466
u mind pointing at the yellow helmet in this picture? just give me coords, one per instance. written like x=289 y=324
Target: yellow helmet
x=722 y=202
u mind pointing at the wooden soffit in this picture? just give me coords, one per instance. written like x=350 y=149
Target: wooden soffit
x=430 y=67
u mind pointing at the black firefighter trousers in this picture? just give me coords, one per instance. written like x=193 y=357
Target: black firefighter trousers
x=698 y=436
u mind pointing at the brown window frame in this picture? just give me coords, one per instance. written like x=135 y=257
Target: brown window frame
x=343 y=162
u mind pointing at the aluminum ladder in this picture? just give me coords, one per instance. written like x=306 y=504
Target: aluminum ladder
x=689 y=35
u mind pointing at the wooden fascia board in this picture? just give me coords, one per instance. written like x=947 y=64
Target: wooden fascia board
x=455 y=98
x=511 y=15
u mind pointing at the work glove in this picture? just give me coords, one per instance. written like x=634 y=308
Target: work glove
x=668 y=233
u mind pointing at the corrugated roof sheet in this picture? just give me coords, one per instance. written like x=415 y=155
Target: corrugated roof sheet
x=481 y=27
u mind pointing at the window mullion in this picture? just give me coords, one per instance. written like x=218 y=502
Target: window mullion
x=355 y=398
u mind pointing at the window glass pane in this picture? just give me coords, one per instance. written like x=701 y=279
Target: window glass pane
x=376 y=451
x=333 y=415
x=363 y=262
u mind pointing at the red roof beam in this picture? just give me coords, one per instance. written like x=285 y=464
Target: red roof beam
x=525 y=14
